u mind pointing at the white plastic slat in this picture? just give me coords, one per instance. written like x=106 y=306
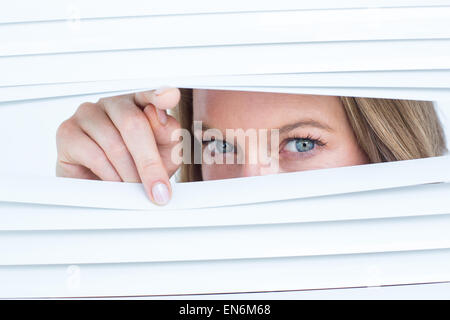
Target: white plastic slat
x=203 y=194
x=424 y=82
x=432 y=79
x=222 y=243
x=227 y=60
x=247 y=275
x=224 y=29
x=427 y=94
x=430 y=199
x=205 y=252
x=28 y=10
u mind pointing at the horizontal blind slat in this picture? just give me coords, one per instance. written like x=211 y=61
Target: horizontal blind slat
x=431 y=199
x=27 y=10
x=224 y=243
x=424 y=82
x=224 y=29
x=295 y=185
x=248 y=275
x=427 y=94
x=228 y=60
x=59 y=58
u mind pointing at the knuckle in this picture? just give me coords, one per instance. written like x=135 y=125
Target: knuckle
x=85 y=108
x=113 y=101
x=104 y=100
x=135 y=120
x=151 y=166
x=84 y=112
x=98 y=162
x=116 y=148
x=65 y=129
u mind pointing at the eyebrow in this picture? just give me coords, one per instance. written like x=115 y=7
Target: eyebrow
x=292 y=126
x=305 y=123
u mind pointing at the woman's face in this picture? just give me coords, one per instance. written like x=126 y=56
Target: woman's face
x=313 y=133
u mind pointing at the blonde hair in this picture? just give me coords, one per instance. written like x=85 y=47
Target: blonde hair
x=386 y=129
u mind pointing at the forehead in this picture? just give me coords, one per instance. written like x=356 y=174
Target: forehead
x=244 y=109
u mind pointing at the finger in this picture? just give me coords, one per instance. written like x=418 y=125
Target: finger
x=76 y=148
x=137 y=134
x=99 y=127
x=69 y=170
x=166 y=130
x=163 y=98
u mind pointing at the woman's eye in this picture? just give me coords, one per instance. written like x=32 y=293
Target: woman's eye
x=300 y=145
x=220 y=146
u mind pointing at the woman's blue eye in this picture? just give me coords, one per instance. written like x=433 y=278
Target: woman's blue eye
x=220 y=146
x=300 y=145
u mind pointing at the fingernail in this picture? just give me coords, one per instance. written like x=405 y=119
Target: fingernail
x=160 y=193
x=162 y=90
x=162 y=116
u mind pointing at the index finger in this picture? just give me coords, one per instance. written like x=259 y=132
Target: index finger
x=162 y=98
x=138 y=137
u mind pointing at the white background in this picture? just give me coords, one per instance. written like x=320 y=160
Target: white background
x=28 y=132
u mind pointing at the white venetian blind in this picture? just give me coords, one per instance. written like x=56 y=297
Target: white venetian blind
x=378 y=224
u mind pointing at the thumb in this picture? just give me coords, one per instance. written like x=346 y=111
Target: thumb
x=162 y=98
x=166 y=130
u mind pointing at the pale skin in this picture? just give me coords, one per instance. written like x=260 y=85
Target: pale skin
x=130 y=138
